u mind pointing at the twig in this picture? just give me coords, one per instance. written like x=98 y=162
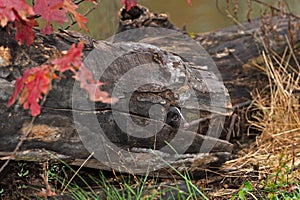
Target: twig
x=77 y=172
x=238 y=106
x=197 y=121
x=277 y=9
x=85 y=14
x=235 y=21
x=22 y=139
x=233 y=119
x=48 y=192
x=79 y=2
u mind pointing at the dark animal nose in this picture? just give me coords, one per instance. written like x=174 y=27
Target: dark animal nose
x=175 y=118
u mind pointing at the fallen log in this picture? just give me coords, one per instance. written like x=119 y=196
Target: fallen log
x=70 y=129
x=54 y=134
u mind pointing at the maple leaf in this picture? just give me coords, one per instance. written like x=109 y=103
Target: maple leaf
x=129 y=4
x=80 y=19
x=72 y=60
x=11 y=10
x=56 y=11
x=85 y=77
x=51 y=11
x=37 y=82
x=34 y=83
x=18 y=11
x=24 y=32
x=18 y=88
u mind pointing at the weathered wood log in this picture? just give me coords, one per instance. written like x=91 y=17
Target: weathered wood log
x=54 y=129
x=172 y=82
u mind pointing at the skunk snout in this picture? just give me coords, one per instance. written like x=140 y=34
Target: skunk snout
x=175 y=118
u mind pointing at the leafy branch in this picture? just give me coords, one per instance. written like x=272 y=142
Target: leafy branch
x=37 y=81
x=23 y=16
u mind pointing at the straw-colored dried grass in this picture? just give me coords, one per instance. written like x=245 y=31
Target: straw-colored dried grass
x=274 y=113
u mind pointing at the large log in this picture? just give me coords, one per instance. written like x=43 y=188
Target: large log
x=54 y=130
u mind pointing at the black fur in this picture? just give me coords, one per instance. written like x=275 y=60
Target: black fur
x=174 y=117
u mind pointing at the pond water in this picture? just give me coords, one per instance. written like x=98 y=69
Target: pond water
x=202 y=16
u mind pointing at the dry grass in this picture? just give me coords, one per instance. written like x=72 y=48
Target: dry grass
x=275 y=113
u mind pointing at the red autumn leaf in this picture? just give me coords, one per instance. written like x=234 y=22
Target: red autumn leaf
x=85 y=77
x=72 y=60
x=11 y=10
x=24 y=32
x=37 y=82
x=34 y=83
x=55 y=11
x=129 y=4
x=18 y=11
x=18 y=88
x=80 y=19
x=51 y=11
